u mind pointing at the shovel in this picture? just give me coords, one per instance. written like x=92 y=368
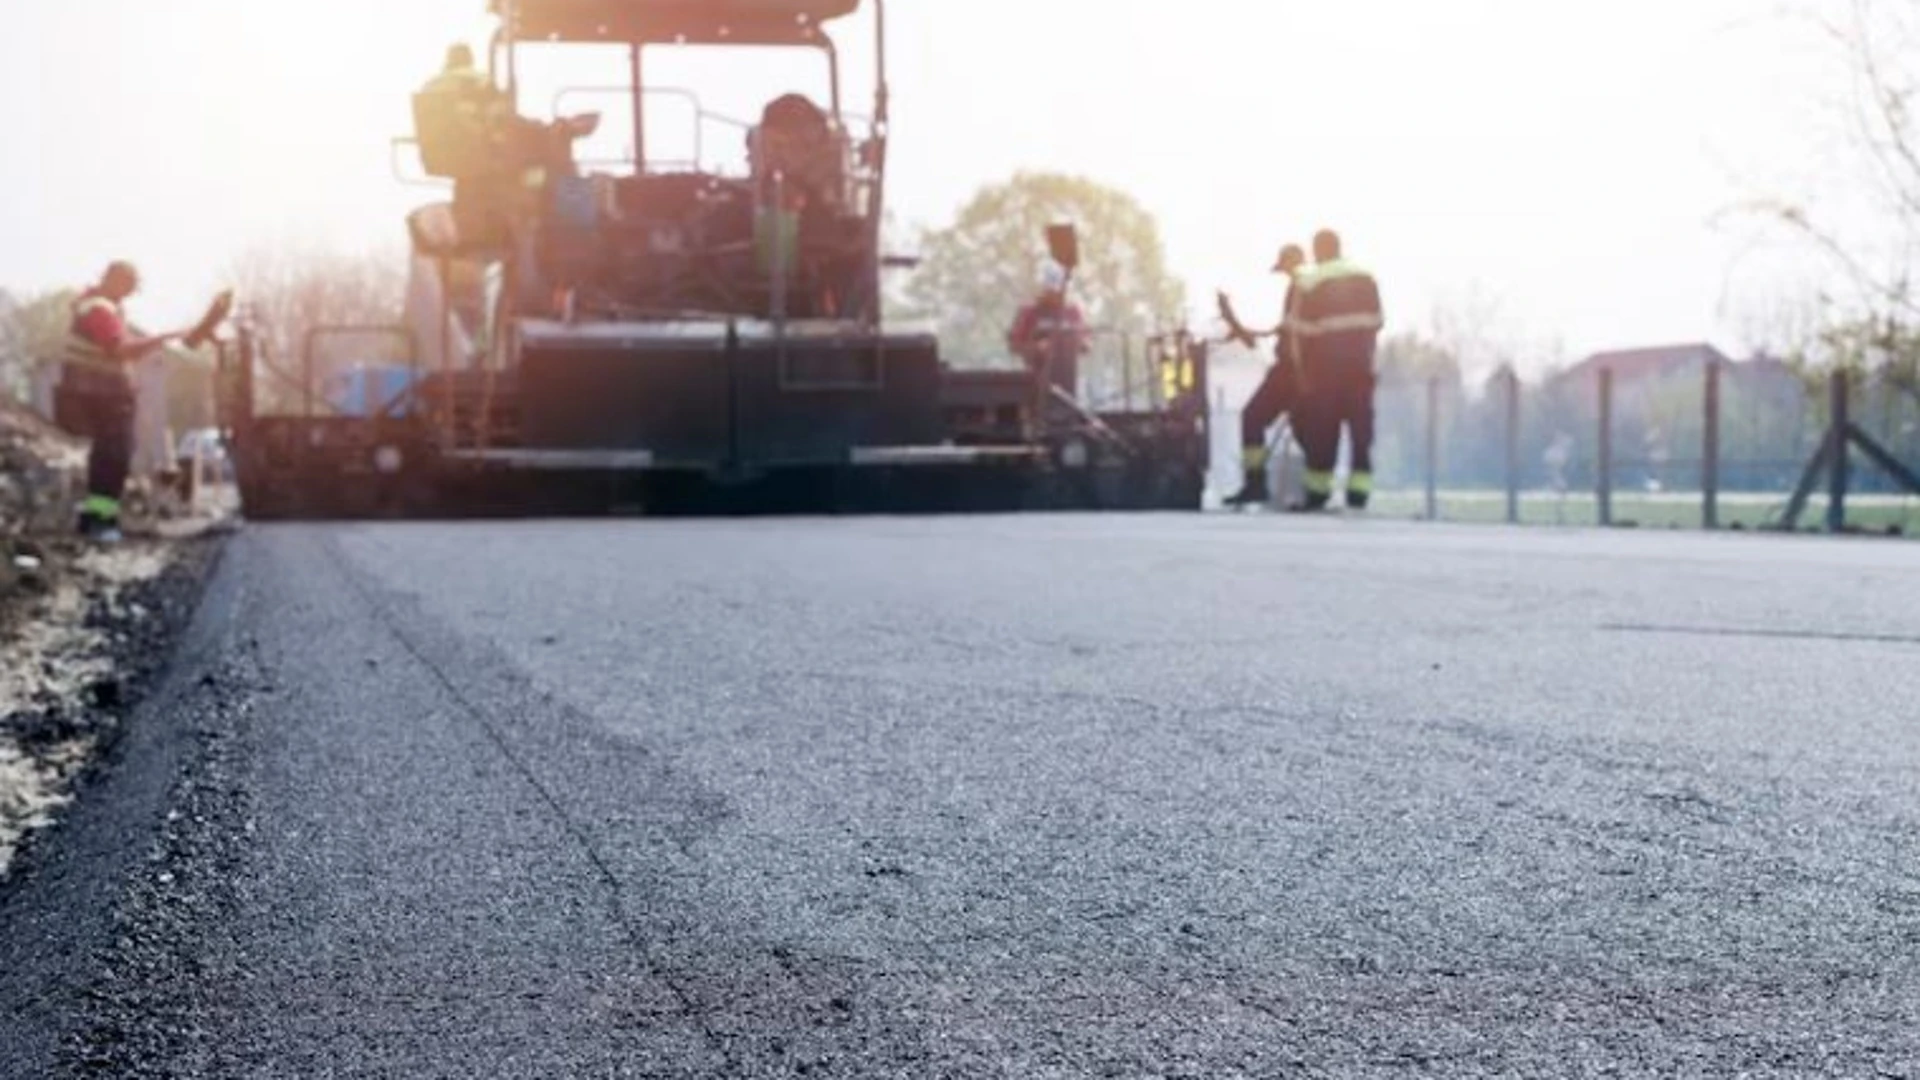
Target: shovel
x=217 y=313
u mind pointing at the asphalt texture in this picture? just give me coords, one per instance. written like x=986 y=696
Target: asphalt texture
x=1162 y=796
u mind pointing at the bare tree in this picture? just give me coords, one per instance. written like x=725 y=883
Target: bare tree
x=1782 y=323
x=1476 y=329
x=1874 y=41
x=288 y=292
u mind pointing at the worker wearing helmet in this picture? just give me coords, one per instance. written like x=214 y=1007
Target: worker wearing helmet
x=1335 y=316
x=459 y=74
x=474 y=113
x=1050 y=333
x=485 y=116
x=95 y=399
x=1281 y=392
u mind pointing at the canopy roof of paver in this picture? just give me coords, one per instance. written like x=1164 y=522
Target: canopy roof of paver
x=739 y=22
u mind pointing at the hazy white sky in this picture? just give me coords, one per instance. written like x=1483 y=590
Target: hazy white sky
x=1564 y=158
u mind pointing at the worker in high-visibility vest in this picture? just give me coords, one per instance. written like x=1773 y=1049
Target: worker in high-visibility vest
x=95 y=399
x=503 y=164
x=460 y=75
x=1336 y=317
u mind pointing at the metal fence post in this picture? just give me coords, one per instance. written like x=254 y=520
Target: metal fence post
x=1603 y=464
x=1837 y=454
x=1513 y=447
x=1710 y=450
x=1433 y=448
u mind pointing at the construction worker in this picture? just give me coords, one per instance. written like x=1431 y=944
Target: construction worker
x=1279 y=394
x=458 y=77
x=502 y=164
x=465 y=125
x=458 y=72
x=1050 y=332
x=95 y=398
x=484 y=117
x=1336 y=317
x=793 y=158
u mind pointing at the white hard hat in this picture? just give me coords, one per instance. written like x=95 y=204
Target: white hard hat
x=1053 y=277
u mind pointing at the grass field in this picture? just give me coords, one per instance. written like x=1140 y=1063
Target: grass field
x=1675 y=510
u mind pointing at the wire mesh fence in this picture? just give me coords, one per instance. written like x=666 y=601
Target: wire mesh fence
x=1712 y=444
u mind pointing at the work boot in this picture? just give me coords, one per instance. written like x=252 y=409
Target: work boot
x=1253 y=461
x=1311 y=503
x=99 y=529
x=1253 y=492
x=1359 y=489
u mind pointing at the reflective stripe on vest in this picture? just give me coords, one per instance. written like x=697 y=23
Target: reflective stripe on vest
x=83 y=351
x=1357 y=310
x=101 y=506
x=1334 y=324
x=1308 y=280
x=458 y=81
x=1176 y=377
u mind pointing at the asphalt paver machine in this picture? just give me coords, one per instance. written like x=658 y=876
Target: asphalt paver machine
x=665 y=335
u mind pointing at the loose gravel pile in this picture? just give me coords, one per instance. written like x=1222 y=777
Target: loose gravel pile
x=82 y=631
x=41 y=472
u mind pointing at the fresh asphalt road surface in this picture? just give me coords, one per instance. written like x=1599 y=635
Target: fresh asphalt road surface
x=1029 y=797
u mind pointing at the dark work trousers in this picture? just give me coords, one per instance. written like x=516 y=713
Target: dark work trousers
x=1339 y=395
x=99 y=406
x=1057 y=359
x=1278 y=395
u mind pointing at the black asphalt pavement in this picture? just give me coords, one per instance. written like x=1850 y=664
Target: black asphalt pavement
x=1162 y=796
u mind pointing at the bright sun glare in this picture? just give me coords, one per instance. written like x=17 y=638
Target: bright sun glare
x=1542 y=151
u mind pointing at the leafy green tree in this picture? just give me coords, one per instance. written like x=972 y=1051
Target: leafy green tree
x=977 y=272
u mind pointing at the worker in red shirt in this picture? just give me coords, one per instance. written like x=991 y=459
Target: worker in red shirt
x=1050 y=333
x=95 y=399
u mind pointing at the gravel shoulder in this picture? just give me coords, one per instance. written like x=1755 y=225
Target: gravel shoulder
x=88 y=649
x=83 y=627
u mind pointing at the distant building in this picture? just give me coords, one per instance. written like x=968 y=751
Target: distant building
x=1766 y=415
x=1630 y=366
x=1758 y=379
x=1635 y=365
